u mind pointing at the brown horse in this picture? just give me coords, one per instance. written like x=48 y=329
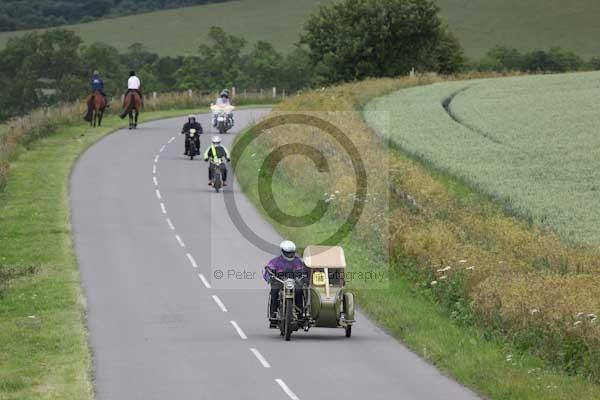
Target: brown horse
x=131 y=106
x=97 y=104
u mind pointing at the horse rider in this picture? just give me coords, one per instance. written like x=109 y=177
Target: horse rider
x=134 y=85
x=98 y=86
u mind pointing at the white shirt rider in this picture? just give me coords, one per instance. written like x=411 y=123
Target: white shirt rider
x=133 y=83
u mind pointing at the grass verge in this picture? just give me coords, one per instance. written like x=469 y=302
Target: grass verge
x=434 y=321
x=43 y=341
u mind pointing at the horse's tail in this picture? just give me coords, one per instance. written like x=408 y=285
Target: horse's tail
x=90 y=108
x=126 y=105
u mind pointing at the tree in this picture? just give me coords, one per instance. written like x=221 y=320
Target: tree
x=221 y=62
x=262 y=66
x=355 y=39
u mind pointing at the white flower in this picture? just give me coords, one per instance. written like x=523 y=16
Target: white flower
x=337 y=192
x=462 y=261
x=577 y=323
x=444 y=269
x=472 y=267
x=534 y=311
x=441 y=278
x=433 y=283
x=32 y=316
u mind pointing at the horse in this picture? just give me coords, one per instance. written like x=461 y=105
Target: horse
x=96 y=107
x=132 y=105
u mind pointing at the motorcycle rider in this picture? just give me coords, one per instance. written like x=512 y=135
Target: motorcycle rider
x=287 y=265
x=222 y=100
x=216 y=151
x=191 y=124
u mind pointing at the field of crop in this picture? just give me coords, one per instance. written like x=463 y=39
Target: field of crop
x=480 y=25
x=181 y=31
x=470 y=288
x=531 y=142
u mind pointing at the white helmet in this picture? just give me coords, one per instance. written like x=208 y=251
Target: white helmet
x=191 y=117
x=216 y=140
x=288 y=250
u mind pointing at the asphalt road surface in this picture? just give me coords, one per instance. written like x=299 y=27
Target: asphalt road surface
x=151 y=237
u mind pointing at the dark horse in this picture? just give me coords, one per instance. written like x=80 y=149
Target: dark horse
x=131 y=106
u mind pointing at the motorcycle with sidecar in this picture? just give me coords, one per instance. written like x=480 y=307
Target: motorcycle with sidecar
x=326 y=303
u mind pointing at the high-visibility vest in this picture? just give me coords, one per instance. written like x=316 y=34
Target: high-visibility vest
x=213 y=150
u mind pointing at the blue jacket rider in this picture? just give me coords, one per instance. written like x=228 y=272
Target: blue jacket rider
x=287 y=265
x=98 y=84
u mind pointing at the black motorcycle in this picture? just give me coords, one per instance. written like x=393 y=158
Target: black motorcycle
x=192 y=143
x=217 y=166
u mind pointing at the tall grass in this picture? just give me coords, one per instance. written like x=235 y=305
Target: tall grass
x=517 y=280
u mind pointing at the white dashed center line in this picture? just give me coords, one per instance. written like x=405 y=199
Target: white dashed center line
x=162 y=149
x=163 y=208
x=219 y=303
x=158 y=194
x=239 y=330
x=171 y=140
x=154 y=170
x=179 y=240
x=260 y=358
x=155 y=181
x=192 y=261
x=156 y=159
x=204 y=281
x=171 y=226
x=286 y=389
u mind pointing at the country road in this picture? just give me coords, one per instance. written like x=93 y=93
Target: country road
x=150 y=236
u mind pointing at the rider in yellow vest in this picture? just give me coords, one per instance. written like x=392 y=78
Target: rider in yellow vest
x=216 y=152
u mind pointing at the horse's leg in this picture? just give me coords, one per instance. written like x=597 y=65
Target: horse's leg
x=130 y=120
x=100 y=118
x=137 y=113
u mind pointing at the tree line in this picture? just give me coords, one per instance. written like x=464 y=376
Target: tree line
x=30 y=14
x=343 y=41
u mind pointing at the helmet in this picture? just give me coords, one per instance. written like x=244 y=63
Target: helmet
x=225 y=93
x=131 y=73
x=96 y=73
x=191 y=118
x=216 y=140
x=288 y=250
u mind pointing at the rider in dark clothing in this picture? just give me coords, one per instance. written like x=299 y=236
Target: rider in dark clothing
x=98 y=85
x=192 y=124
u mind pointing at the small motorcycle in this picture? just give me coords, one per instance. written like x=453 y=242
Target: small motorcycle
x=192 y=143
x=218 y=167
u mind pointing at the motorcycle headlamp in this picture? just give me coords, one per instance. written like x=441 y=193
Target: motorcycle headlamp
x=289 y=284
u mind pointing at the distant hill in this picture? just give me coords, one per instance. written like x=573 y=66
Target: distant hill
x=480 y=25
x=28 y=14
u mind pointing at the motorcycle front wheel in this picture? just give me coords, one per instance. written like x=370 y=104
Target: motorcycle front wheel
x=289 y=312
